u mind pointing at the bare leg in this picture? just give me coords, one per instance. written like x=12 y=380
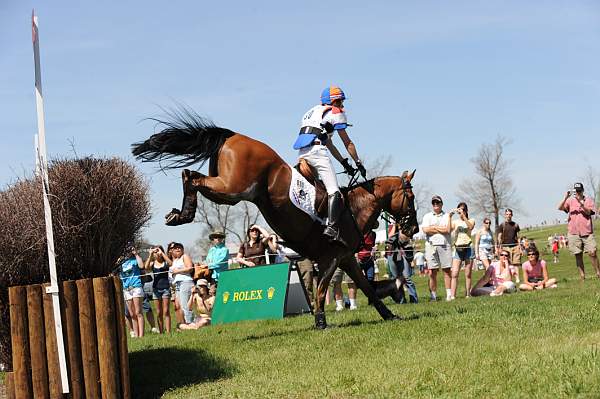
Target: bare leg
x=433 y=281
x=150 y=317
x=468 y=279
x=159 y=315
x=166 y=314
x=132 y=316
x=138 y=314
x=486 y=263
x=550 y=283
x=525 y=287
x=447 y=277
x=475 y=291
x=454 y=273
x=595 y=263
x=178 y=312
x=352 y=295
x=580 y=266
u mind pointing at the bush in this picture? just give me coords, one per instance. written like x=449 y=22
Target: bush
x=98 y=206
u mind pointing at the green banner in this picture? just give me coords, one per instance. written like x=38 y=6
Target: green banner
x=251 y=294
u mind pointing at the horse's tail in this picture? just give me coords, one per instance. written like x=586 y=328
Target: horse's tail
x=185 y=140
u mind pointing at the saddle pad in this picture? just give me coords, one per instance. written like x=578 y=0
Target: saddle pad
x=302 y=194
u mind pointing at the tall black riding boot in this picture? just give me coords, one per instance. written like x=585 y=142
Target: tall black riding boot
x=336 y=207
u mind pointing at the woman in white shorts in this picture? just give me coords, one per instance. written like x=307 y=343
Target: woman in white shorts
x=497 y=279
x=484 y=244
x=133 y=290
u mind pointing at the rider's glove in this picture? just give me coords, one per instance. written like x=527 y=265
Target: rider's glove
x=361 y=169
x=349 y=169
x=328 y=127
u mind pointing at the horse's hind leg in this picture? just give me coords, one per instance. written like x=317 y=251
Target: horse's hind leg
x=190 y=202
x=326 y=270
x=350 y=266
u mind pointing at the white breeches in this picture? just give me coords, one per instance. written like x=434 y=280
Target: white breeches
x=318 y=157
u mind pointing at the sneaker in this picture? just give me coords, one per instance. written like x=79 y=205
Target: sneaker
x=155 y=330
x=433 y=299
x=339 y=308
x=494 y=293
x=450 y=298
x=553 y=286
x=353 y=307
x=132 y=334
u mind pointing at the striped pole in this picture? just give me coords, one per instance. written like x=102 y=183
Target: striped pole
x=42 y=161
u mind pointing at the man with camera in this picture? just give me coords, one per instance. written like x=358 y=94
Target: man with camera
x=580 y=229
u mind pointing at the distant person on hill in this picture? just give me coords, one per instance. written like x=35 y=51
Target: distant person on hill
x=555 y=251
x=419 y=262
x=461 y=233
x=497 y=279
x=484 y=244
x=508 y=238
x=580 y=235
x=535 y=273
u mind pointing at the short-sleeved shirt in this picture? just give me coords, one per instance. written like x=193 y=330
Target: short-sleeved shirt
x=441 y=219
x=535 y=271
x=510 y=231
x=419 y=258
x=579 y=223
x=365 y=249
x=255 y=252
x=217 y=258
x=130 y=274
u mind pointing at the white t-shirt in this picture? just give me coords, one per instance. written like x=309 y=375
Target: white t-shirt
x=441 y=219
x=419 y=258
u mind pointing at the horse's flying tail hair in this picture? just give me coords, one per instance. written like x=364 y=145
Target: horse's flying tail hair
x=186 y=139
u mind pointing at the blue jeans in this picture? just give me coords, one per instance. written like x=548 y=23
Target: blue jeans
x=402 y=270
x=183 y=290
x=368 y=269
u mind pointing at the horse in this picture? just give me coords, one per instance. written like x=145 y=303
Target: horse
x=244 y=169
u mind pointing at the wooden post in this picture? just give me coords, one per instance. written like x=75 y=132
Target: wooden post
x=71 y=324
x=10 y=386
x=54 y=381
x=20 y=342
x=37 y=341
x=107 y=337
x=122 y=337
x=87 y=331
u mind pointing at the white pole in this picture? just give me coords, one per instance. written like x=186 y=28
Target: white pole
x=43 y=167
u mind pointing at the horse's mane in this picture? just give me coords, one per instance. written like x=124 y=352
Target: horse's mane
x=186 y=139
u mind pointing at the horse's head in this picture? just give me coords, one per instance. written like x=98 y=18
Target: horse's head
x=402 y=204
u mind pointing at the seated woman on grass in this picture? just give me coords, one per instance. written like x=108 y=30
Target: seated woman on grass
x=535 y=273
x=204 y=305
x=497 y=279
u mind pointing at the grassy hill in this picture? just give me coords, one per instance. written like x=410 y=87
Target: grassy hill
x=539 y=344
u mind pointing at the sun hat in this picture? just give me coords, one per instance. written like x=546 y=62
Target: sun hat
x=216 y=234
x=202 y=282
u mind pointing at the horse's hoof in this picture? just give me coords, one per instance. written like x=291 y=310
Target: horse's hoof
x=320 y=322
x=173 y=218
x=393 y=317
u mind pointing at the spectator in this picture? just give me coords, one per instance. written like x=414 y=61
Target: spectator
x=176 y=306
x=461 y=230
x=535 y=273
x=497 y=278
x=400 y=263
x=436 y=225
x=580 y=230
x=252 y=251
x=484 y=244
x=365 y=253
x=508 y=238
x=158 y=262
x=419 y=262
x=336 y=281
x=147 y=281
x=306 y=269
x=132 y=289
x=555 y=251
x=204 y=306
x=276 y=250
x=181 y=269
x=217 y=258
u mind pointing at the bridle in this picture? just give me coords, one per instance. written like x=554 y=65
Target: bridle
x=402 y=218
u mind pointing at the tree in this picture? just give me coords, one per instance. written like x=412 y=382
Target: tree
x=592 y=183
x=492 y=188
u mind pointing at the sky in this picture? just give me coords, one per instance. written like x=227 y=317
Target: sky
x=427 y=83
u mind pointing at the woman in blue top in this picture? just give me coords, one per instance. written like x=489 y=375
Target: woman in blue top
x=158 y=262
x=484 y=244
x=132 y=289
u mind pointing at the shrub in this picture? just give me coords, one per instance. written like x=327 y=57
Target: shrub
x=98 y=206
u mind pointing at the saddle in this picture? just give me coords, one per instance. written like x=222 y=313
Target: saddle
x=311 y=174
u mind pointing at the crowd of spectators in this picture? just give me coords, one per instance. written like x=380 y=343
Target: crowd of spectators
x=452 y=244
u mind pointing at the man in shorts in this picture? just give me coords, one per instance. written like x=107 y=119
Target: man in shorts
x=438 y=253
x=508 y=239
x=580 y=229
x=338 y=276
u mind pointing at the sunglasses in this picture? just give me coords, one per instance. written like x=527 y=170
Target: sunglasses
x=503 y=254
x=436 y=203
x=530 y=254
x=487 y=223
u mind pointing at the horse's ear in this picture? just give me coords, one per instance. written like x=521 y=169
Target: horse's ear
x=410 y=177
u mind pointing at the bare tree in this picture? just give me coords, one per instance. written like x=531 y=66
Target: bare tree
x=492 y=188
x=233 y=220
x=592 y=182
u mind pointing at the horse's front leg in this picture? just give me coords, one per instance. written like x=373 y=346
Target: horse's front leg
x=190 y=201
x=326 y=270
x=351 y=267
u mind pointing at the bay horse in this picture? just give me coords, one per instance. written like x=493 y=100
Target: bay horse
x=244 y=169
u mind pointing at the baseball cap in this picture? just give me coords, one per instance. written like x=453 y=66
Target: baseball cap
x=436 y=198
x=578 y=187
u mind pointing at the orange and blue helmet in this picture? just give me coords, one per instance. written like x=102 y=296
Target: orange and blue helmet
x=330 y=94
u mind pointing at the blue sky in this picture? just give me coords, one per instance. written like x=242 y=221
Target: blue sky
x=428 y=82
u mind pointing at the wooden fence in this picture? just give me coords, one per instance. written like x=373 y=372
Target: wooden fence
x=95 y=341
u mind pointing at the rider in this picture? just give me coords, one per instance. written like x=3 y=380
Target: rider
x=315 y=138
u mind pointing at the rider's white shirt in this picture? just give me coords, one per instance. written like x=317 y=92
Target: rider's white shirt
x=320 y=114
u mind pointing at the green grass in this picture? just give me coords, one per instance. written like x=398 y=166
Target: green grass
x=539 y=344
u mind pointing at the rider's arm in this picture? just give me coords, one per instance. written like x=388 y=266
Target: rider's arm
x=349 y=145
x=334 y=151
